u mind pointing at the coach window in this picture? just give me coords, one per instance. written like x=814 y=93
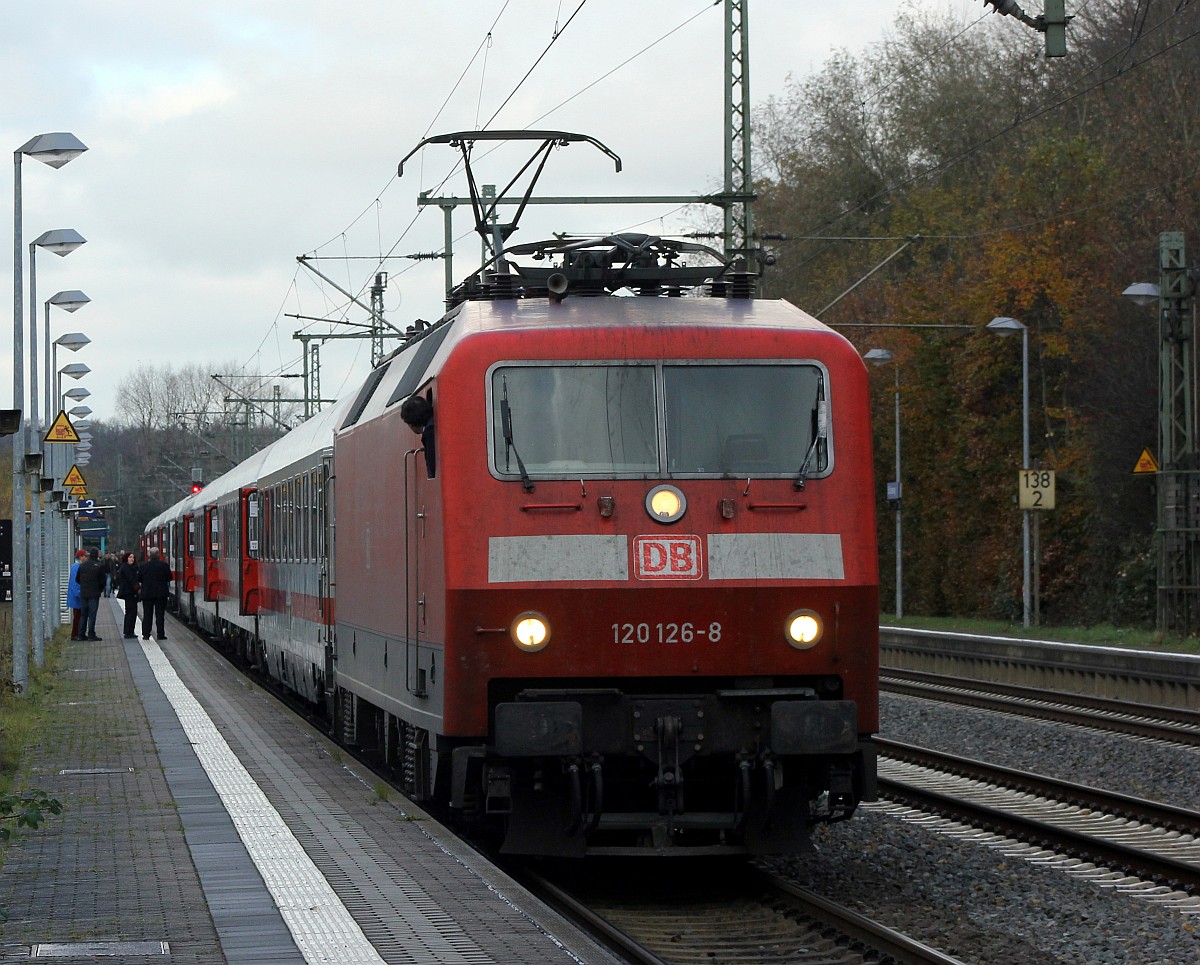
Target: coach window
x=307 y=517
x=264 y=518
x=314 y=501
x=289 y=520
x=253 y=525
x=273 y=517
x=319 y=516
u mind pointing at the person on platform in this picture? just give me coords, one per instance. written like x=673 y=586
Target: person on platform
x=417 y=412
x=128 y=586
x=155 y=576
x=74 y=600
x=112 y=561
x=92 y=576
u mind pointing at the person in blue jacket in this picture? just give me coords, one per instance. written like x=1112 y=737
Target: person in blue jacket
x=74 y=599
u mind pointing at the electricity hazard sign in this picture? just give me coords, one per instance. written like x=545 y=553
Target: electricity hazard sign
x=61 y=430
x=74 y=478
x=1145 y=463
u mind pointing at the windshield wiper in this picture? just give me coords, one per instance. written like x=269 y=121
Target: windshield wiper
x=509 y=445
x=821 y=419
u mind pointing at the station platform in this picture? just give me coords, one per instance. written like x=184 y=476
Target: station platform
x=203 y=822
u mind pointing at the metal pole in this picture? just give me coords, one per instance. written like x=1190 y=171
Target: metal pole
x=899 y=501
x=20 y=611
x=36 y=587
x=52 y=558
x=1028 y=587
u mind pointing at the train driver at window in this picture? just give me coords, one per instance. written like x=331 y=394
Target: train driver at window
x=417 y=412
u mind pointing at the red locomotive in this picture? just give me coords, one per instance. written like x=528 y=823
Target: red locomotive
x=632 y=603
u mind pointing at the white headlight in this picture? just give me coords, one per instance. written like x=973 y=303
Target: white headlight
x=530 y=631
x=665 y=504
x=803 y=629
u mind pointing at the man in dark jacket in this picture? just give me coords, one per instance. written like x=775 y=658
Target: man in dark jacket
x=91 y=577
x=155 y=576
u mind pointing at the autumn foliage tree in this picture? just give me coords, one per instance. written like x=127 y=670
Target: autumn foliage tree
x=988 y=181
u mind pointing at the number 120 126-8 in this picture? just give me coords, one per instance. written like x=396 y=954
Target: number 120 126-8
x=665 y=633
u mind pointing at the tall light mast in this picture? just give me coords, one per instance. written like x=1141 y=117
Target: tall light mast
x=740 y=240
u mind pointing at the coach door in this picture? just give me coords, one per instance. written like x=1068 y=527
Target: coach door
x=326 y=581
x=189 y=554
x=212 y=553
x=251 y=529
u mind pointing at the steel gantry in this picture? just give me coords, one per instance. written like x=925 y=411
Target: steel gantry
x=1178 y=605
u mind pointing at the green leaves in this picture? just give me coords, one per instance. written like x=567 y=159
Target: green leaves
x=25 y=811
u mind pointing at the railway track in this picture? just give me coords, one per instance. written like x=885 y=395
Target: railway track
x=1179 y=725
x=749 y=916
x=1154 y=841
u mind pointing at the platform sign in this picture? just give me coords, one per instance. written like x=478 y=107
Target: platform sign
x=1035 y=488
x=61 y=430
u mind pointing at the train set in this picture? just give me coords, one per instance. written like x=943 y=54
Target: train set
x=631 y=607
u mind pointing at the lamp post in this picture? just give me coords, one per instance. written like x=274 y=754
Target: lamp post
x=57 y=570
x=881 y=356
x=54 y=149
x=62 y=242
x=76 y=370
x=1004 y=327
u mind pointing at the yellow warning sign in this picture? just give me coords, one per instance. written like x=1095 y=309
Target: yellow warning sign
x=74 y=478
x=78 y=491
x=61 y=430
x=1146 y=463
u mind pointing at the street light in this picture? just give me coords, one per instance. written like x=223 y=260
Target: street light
x=61 y=241
x=54 y=149
x=55 y=525
x=881 y=356
x=1005 y=327
x=1142 y=293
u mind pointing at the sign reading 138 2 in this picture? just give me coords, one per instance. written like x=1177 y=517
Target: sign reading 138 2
x=1035 y=488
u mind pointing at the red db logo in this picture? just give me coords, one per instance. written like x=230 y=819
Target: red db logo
x=667 y=558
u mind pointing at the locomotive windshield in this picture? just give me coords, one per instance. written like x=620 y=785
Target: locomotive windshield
x=736 y=418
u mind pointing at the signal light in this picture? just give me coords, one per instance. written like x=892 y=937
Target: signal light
x=196 y=487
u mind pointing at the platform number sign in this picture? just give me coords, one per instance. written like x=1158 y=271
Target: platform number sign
x=1035 y=488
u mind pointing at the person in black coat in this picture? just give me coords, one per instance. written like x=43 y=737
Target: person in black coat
x=155 y=576
x=128 y=585
x=417 y=413
x=91 y=577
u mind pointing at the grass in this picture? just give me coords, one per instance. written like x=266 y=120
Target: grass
x=1098 y=636
x=20 y=715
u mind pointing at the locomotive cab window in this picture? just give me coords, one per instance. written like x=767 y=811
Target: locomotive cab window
x=652 y=419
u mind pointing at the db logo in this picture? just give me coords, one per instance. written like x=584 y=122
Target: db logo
x=667 y=558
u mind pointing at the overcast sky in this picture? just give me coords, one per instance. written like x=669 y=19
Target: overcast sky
x=228 y=137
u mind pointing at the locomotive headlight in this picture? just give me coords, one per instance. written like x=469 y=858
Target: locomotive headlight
x=804 y=629
x=530 y=631
x=665 y=504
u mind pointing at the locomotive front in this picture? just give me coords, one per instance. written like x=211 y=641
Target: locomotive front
x=661 y=593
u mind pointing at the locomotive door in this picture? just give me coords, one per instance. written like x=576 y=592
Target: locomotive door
x=414 y=600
